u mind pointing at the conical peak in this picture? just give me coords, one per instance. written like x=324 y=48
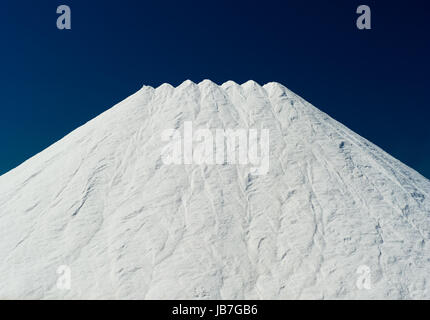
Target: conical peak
x=229 y=84
x=187 y=83
x=165 y=86
x=251 y=84
x=275 y=88
x=207 y=83
x=273 y=85
x=147 y=88
x=254 y=88
x=165 y=89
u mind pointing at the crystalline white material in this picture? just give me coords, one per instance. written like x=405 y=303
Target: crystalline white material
x=103 y=203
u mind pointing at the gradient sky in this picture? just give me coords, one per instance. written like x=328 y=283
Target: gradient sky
x=376 y=82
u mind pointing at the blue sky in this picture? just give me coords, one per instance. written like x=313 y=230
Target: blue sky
x=375 y=81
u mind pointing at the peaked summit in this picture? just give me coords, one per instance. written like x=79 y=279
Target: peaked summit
x=334 y=217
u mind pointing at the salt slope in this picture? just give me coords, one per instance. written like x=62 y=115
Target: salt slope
x=102 y=202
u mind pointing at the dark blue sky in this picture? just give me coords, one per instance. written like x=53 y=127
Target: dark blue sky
x=376 y=81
